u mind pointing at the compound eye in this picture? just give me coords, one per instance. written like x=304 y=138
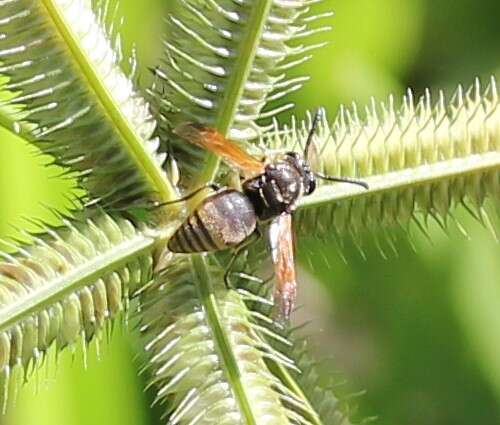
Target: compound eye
x=293 y=155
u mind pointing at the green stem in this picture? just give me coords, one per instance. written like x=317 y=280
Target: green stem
x=131 y=140
x=229 y=363
x=223 y=122
x=236 y=83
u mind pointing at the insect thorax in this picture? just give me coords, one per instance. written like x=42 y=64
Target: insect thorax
x=278 y=189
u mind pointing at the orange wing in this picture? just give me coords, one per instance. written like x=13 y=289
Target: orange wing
x=281 y=240
x=211 y=140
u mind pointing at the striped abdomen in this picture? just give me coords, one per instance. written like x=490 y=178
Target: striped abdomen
x=223 y=220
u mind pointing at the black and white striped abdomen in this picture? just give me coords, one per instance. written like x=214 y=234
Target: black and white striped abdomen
x=222 y=220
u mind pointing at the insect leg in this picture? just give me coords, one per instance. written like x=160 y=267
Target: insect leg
x=152 y=206
x=237 y=252
x=210 y=185
x=314 y=125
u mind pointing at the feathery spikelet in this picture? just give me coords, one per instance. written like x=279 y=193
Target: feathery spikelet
x=420 y=162
x=66 y=287
x=65 y=78
x=224 y=63
x=302 y=385
x=209 y=358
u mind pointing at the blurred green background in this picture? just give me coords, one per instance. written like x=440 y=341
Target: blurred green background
x=419 y=331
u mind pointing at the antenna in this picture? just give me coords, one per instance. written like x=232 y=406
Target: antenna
x=314 y=126
x=342 y=180
x=310 y=136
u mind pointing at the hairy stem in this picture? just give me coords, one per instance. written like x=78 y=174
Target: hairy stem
x=77 y=278
x=230 y=364
x=131 y=141
x=405 y=179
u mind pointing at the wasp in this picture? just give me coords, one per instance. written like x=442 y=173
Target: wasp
x=270 y=192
